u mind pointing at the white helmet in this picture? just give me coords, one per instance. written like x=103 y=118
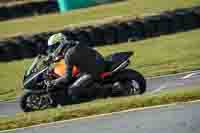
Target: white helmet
x=56 y=42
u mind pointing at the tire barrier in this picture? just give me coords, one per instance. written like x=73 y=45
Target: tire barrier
x=137 y=30
x=125 y=29
x=98 y=36
x=84 y=35
x=110 y=33
x=28 y=9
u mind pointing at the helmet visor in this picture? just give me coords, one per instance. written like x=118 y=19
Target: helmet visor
x=52 y=48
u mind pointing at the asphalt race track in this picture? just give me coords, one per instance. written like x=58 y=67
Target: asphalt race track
x=154 y=85
x=182 y=118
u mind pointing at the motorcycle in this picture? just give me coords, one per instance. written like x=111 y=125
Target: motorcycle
x=117 y=80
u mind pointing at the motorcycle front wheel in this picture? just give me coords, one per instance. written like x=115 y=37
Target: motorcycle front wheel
x=31 y=102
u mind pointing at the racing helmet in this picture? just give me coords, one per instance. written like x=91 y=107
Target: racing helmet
x=56 y=42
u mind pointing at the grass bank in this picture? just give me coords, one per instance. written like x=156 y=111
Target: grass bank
x=99 y=107
x=162 y=55
x=17 y=2
x=165 y=55
x=59 y=21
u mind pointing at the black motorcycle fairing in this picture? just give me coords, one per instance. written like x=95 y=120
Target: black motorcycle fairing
x=119 y=57
x=114 y=60
x=32 y=79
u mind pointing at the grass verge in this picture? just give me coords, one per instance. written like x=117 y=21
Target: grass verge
x=98 y=107
x=17 y=2
x=165 y=55
x=58 y=21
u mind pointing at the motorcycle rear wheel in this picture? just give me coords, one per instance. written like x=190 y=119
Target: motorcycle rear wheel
x=134 y=81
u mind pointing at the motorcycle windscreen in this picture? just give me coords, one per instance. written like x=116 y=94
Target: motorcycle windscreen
x=60 y=69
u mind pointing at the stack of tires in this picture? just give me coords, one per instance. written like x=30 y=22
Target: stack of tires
x=111 y=33
x=28 y=9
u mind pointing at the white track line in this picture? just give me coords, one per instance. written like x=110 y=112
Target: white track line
x=188 y=76
x=159 y=89
x=54 y=124
x=191 y=75
x=171 y=75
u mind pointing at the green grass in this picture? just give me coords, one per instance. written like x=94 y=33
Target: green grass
x=17 y=2
x=56 y=21
x=10 y=78
x=11 y=1
x=157 y=56
x=99 y=107
x=163 y=55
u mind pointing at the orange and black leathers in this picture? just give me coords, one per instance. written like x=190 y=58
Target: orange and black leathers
x=88 y=61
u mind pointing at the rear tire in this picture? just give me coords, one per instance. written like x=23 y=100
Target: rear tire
x=132 y=75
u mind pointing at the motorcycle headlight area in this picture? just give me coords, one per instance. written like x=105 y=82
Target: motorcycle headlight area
x=34 y=83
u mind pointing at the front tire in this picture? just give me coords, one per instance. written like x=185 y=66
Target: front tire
x=23 y=102
x=32 y=102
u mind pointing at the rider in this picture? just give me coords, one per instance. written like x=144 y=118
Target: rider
x=89 y=62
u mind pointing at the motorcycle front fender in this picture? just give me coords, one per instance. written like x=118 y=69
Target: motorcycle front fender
x=35 y=91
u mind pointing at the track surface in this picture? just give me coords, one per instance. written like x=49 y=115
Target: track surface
x=153 y=85
x=182 y=118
